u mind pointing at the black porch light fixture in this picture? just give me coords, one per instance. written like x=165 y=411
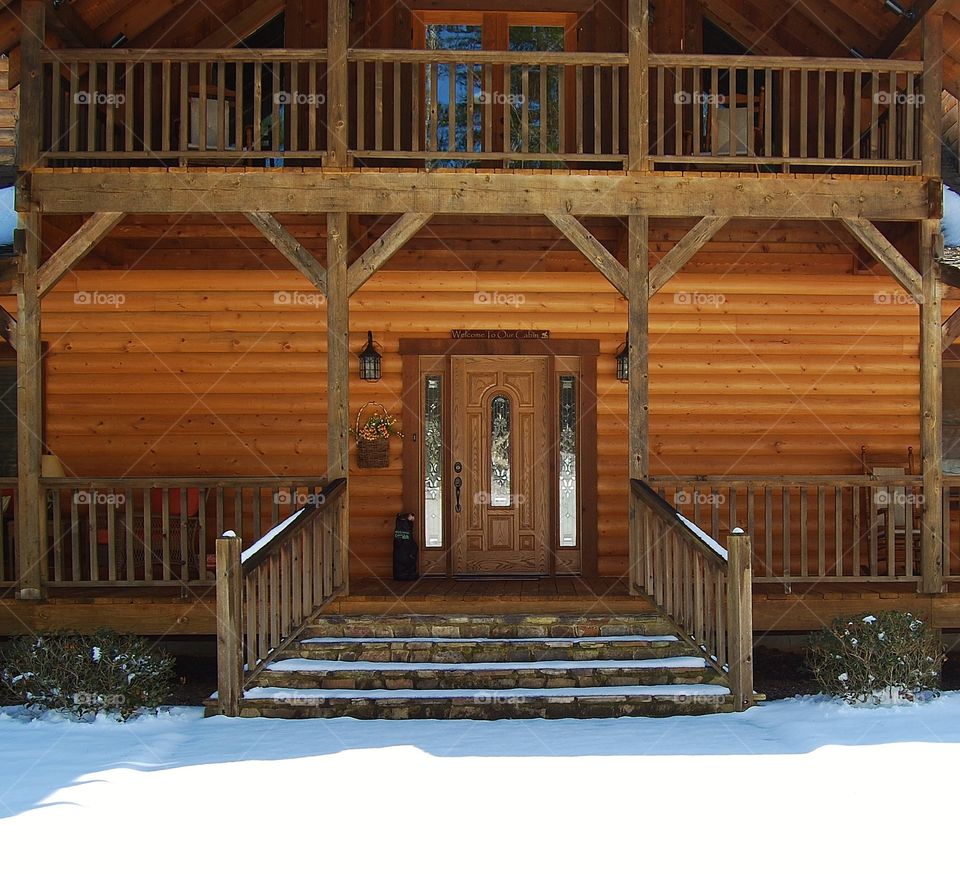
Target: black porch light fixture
x=370 y=361
x=623 y=360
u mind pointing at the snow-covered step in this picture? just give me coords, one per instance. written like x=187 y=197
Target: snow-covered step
x=488 y=649
x=521 y=703
x=332 y=674
x=507 y=626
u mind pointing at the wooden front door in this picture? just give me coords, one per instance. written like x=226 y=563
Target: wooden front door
x=501 y=464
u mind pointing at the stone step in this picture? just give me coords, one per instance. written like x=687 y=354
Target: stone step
x=604 y=702
x=492 y=676
x=487 y=649
x=508 y=626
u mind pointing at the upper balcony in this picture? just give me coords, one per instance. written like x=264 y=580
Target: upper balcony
x=435 y=108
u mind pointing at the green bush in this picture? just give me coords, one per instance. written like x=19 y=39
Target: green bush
x=87 y=674
x=881 y=659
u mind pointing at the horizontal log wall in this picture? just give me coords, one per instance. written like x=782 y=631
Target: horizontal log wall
x=211 y=372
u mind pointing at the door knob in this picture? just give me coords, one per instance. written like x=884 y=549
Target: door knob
x=458 y=484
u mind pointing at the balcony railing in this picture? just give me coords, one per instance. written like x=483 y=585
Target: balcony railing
x=484 y=109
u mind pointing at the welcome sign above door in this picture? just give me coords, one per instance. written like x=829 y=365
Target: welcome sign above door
x=469 y=334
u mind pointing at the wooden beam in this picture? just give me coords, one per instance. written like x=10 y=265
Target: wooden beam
x=887 y=254
x=931 y=412
x=638 y=382
x=593 y=250
x=30 y=124
x=91 y=232
x=290 y=248
x=338 y=40
x=754 y=36
x=338 y=380
x=638 y=45
x=66 y=23
x=249 y=20
x=932 y=116
x=316 y=191
x=31 y=517
x=675 y=260
x=905 y=28
x=8 y=328
x=950 y=329
x=383 y=249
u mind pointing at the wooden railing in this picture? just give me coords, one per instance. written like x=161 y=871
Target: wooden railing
x=502 y=106
x=443 y=108
x=786 y=112
x=155 y=531
x=266 y=594
x=163 y=104
x=817 y=528
x=704 y=588
x=8 y=529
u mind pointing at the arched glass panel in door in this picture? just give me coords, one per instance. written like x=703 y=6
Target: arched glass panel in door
x=500 y=456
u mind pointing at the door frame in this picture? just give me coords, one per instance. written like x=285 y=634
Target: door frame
x=411 y=348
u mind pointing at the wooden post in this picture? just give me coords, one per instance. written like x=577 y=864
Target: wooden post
x=930 y=135
x=31 y=517
x=338 y=378
x=30 y=126
x=638 y=50
x=229 y=626
x=931 y=360
x=931 y=412
x=638 y=389
x=338 y=40
x=740 y=619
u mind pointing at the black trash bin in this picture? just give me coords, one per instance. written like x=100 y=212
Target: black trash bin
x=406 y=554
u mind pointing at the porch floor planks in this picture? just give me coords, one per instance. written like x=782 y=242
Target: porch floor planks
x=166 y=611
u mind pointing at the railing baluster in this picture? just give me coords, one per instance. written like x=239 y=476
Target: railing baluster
x=378 y=104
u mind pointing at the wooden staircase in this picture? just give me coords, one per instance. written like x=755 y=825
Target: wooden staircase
x=287 y=646
x=486 y=667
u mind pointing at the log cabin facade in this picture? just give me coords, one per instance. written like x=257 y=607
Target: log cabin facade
x=615 y=258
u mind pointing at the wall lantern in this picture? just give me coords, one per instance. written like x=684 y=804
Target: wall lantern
x=623 y=360
x=370 y=360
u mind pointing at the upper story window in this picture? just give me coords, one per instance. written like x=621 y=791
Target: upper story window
x=470 y=108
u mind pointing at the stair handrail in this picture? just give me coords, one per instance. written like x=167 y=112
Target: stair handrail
x=705 y=589
x=267 y=594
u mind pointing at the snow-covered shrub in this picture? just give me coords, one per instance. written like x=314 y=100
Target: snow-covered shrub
x=885 y=659
x=86 y=674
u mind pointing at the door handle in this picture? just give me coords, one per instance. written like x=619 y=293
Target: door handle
x=457 y=485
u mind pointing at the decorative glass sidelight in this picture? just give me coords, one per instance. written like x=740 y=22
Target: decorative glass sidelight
x=500 y=452
x=568 y=461
x=433 y=461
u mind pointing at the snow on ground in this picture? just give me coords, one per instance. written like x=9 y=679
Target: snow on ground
x=811 y=785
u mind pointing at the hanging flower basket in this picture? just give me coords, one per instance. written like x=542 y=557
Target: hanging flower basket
x=373 y=436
